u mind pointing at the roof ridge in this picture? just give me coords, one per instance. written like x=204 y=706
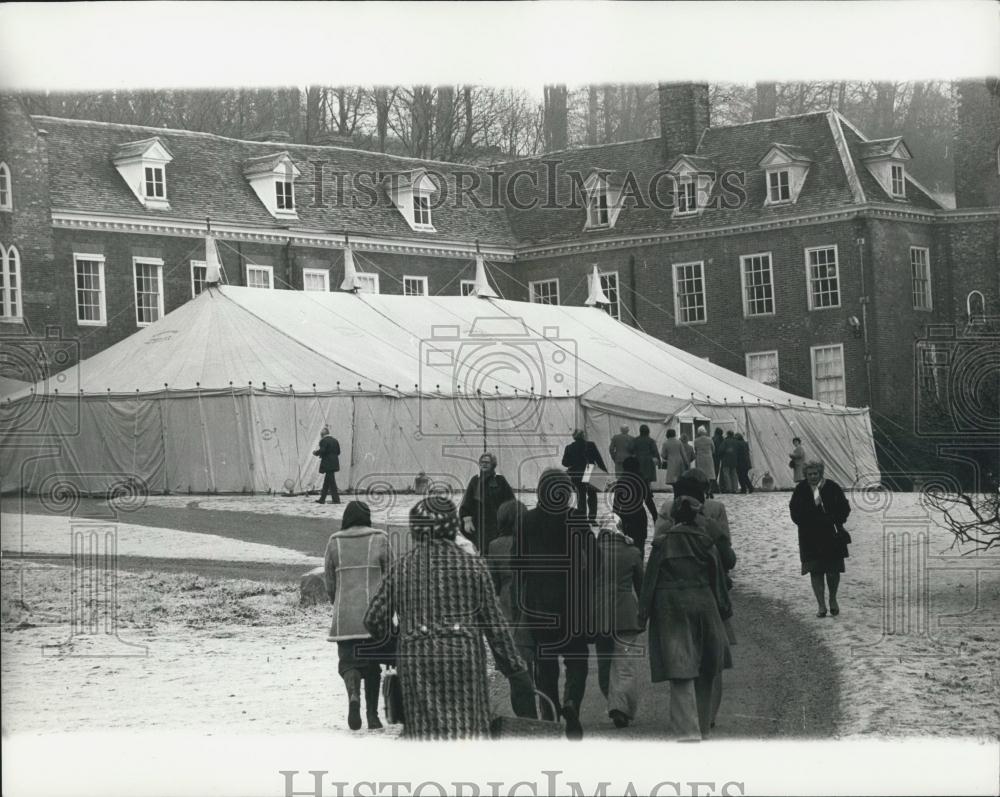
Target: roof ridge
x=203 y=134
x=772 y=119
x=543 y=155
x=833 y=119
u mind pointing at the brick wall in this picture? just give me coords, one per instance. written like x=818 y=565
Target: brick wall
x=977 y=140
x=974 y=255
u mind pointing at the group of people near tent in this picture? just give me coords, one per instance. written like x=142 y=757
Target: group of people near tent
x=542 y=586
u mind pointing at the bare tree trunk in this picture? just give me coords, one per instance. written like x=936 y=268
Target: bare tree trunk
x=591 y=114
x=421 y=121
x=609 y=113
x=885 y=103
x=467 y=108
x=382 y=103
x=443 y=144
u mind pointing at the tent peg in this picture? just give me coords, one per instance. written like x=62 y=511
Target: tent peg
x=338 y=385
x=264 y=384
x=359 y=387
x=198 y=385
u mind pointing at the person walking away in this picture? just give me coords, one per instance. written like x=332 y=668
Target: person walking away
x=797 y=460
x=645 y=451
x=743 y=464
x=819 y=509
x=629 y=503
x=576 y=457
x=620 y=448
x=356 y=560
x=554 y=562
x=329 y=463
x=684 y=600
x=705 y=459
x=445 y=605
x=688 y=448
x=728 y=458
x=486 y=491
x=674 y=456
x=500 y=562
x=619 y=580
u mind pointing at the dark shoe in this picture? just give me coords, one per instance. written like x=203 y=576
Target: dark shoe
x=821 y=613
x=618 y=718
x=354 y=715
x=374 y=723
x=319 y=501
x=834 y=609
x=574 y=730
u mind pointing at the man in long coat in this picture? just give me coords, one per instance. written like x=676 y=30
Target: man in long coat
x=329 y=463
x=486 y=491
x=620 y=448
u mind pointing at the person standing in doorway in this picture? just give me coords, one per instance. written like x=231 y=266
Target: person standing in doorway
x=704 y=457
x=797 y=460
x=645 y=451
x=329 y=463
x=620 y=448
x=486 y=491
x=743 y=464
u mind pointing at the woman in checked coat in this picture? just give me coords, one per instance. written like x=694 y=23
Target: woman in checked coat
x=445 y=604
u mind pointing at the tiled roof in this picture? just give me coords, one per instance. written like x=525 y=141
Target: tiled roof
x=879 y=148
x=133 y=149
x=874 y=192
x=793 y=152
x=206 y=179
x=264 y=164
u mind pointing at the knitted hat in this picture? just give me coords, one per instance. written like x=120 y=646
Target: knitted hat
x=434 y=518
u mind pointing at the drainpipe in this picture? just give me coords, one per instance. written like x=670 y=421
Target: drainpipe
x=631 y=279
x=864 y=319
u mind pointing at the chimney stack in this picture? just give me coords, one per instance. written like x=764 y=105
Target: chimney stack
x=684 y=115
x=977 y=150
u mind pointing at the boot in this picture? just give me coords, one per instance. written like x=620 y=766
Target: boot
x=352 y=680
x=372 y=683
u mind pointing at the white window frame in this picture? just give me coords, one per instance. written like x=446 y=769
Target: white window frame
x=99 y=260
x=425 y=291
x=809 y=277
x=148 y=261
x=615 y=308
x=195 y=264
x=323 y=273
x=743 y=284
x=154 y=167
x=371 y=278
x=594 y=209
x=750 y=355
x=776 y=174
x=533 y=286
x=279 y=197
x=926 y=263
x=466 y=284
x=12 y=307
x=683 y=184
x=422 y=207
x=901 y=194
x=677 y=299
x=843 y=366
x=6 y=189
x=269 y=270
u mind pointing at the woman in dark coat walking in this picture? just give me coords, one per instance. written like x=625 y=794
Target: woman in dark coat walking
x=445 y=603
x=483 y=496
x=685 y=599
x=629 y=495
x=619 y=580
x=644 y=449
x=819 y=509
x=357 y=558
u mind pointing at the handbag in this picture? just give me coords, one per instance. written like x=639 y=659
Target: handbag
x=392 y=697
x=843 y=535
x=791 y=464
x=505 y=727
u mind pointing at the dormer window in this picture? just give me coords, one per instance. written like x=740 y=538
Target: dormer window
x=410 y=193
x=143 y=166
x=272 y=177
x=284 y=195
x=785 y=169
x=602 y=192
x=886 y=159
x=694 y=177
x=778 y=186
x=897 y=179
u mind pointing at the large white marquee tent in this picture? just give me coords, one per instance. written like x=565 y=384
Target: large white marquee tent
x=228 y=394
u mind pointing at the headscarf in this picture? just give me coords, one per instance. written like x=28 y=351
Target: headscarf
x=434 y=518
x=356 y=513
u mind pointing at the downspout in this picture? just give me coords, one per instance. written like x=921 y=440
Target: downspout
x=631 y=279
x=864 y=319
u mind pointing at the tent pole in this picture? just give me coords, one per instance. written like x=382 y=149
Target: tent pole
x=483 y=405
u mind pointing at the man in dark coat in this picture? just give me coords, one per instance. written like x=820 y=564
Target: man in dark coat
x=486 y=491
x=329 y=463
x=728 y=458
x=717 y=442
x=743 y=464
x=554 y=562
x=644 y=449
x=576 y=457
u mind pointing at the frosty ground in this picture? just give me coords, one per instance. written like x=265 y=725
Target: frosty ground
x=213 y=639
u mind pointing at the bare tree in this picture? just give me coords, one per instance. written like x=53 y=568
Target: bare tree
x=972 y=518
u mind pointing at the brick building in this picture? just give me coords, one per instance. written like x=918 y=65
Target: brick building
x=794 y=250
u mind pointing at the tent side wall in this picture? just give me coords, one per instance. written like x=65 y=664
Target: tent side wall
x=251 y=441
